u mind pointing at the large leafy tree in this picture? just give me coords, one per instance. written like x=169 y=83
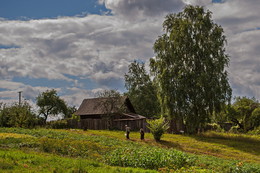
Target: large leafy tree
x=189 y=67
x=141 y=90
x=50 y=103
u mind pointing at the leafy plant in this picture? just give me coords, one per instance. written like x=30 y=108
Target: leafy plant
x=158 y=127
x=149 y=158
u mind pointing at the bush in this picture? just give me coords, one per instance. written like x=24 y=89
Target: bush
x=158 y=127
x=58 y=124
x=214 y=127
x=256 y=131
x=235 y=129
x=17 y=116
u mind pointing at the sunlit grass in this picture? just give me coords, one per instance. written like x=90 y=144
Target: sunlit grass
x=224 y=145
x=20 y=161
x=14 y=135
x=214 y=151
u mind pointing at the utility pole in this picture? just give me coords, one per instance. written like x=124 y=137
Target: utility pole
x=20 y=97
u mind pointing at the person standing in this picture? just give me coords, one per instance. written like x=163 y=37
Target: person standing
x=127 y=131
x=142 y=134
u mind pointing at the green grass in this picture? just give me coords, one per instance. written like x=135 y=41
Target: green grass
x=32 y=150
x=20 y=161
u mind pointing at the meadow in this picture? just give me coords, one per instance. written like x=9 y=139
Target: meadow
x=71 y=150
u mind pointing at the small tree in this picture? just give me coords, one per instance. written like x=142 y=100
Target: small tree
x=110 y=104
x=18 y=115
x=50 y=104
x=158 y=127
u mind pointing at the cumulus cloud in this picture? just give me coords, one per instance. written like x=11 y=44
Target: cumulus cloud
x=136 y=9
x=241 y=25
x=100 y=47
x=51 y=48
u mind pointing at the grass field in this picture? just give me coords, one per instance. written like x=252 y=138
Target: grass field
x=47 y=150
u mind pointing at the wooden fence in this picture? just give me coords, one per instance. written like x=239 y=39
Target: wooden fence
x=103 y=124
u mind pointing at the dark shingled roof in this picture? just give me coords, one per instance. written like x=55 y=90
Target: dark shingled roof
x=94 y=106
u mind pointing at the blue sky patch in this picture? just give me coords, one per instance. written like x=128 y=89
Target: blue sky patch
x=218 y=1
x=39 y=9
x=34 y=82
x=8 y=46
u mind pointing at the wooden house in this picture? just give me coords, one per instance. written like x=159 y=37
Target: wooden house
x=109 y=113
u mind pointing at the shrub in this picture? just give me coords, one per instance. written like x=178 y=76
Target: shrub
x=214 y=127
x=58 y=124
x=158 y=127
x=256 y=131
x=235 y=129
x=17 y=115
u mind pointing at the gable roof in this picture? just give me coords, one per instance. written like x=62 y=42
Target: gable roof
x=94 y=106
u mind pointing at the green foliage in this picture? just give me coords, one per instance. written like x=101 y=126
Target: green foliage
x=215 y=127
x=235 y=129
x=149 y=158
x=245 y=113
x=255 y=118
x=70 y=111
x=17 y=116
x=256 y=131
x=190 y=67
x=141 y=90
x=158 y=127
x=50 y=103
x=58 y=124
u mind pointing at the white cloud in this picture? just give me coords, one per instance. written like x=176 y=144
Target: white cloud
x=138 y=9
x=100 y=47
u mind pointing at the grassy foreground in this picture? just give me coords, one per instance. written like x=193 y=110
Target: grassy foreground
x=46 y=150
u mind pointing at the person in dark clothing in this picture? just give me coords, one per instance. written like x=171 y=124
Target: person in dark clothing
x=127 y=131
x=142 y=134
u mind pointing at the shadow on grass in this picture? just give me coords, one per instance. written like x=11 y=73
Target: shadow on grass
x=163 y=143
x=241 y=143
x=170 y=144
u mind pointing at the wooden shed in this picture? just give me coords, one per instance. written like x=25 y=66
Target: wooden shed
x=109 y=113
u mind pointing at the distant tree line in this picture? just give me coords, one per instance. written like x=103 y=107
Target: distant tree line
x=22 y=115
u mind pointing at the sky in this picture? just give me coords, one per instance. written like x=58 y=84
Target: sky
x=81 y=47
